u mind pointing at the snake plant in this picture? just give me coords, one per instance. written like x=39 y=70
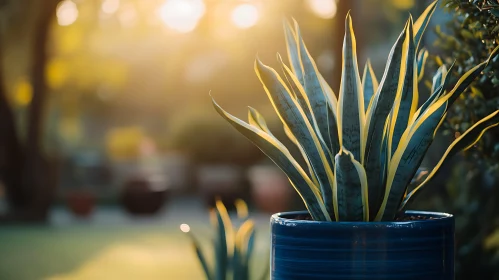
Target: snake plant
x=232 y=246
x=363 y=148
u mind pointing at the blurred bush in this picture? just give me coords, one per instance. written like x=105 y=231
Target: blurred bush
x=207 y=139
x=473 y=188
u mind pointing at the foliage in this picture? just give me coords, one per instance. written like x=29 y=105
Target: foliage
x=360 y=161
x=472 y=190
x=232 y=245
x=473 y=33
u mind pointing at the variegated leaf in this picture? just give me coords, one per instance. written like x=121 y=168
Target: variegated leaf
x=469 y=138
x=276 y=151
x=375 y=123
x=422 y=56
x=406 y=101
x=421 y=23
x=325 y=121
x=351 y=101
x=370 y=84
x=350 y=188
x=293 y=51
x=293 y=116
x=408 y=157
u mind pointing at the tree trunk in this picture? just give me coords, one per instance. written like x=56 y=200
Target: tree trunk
x=29 y=176
x=11 y=154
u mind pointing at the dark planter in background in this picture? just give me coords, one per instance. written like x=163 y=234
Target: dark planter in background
x=409 y=250
x=144 y=195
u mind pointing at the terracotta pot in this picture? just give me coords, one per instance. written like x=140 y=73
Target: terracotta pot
x=144 y=195
x=81 y=203
x=270 y=188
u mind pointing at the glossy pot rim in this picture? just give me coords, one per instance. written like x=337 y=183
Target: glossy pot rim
x=284 y=219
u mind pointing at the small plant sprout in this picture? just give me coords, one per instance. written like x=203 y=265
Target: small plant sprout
x=361 y=148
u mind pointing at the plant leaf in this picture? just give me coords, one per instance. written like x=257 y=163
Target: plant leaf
x=416 y=140
x=463 y=142
x=257 y=119
x=351 y=188
x=422 y=56
x=325 y=121
x=351 y=101
x=439 y=91
x=241 y=259
x=439 y=78
x=332 y=121
x=293 y=51
x=293 y=116
x=201 y=257
x=421 y=23
x=375 y=122
x=406 y=100
x=303 y=154
x=408 y=157
x=369 y=83
x=223 y=242
x=241 y=209
x=276 y=151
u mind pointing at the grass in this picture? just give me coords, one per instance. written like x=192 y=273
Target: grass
x=102 y=252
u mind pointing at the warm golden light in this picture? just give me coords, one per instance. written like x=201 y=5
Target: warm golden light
x=185 y=228
x=323 y=8
x=110 y=6
x=182 y=15
x=245 y=15
x=66 y=13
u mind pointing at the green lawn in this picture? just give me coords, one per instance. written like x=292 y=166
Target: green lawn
x=134 y=251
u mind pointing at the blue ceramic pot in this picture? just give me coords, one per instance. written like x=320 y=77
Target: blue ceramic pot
x=408 y=250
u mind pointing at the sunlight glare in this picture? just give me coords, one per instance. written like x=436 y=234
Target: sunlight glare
x=110 y=6
x=182 y=15
x=66 y=13
x=323 y=8
x=245 y=15
x=185 y=228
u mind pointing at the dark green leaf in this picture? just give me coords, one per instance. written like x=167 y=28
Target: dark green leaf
x=377 y=116
x=406 y=102
x=465 y=141
x=351 y=102
x=351 y=188
x=294 y=117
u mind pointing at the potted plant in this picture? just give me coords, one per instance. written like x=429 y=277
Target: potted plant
x=361 y=151
x=233 y=245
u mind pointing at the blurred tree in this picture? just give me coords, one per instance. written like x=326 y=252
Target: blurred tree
x=26 y=172
x=471 y=193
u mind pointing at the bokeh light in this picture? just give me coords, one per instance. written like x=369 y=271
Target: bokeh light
x=66 y=13
x=245 y=15
x=323 y=8
x=185 y=228
x=110 y=6
x=182 y=15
